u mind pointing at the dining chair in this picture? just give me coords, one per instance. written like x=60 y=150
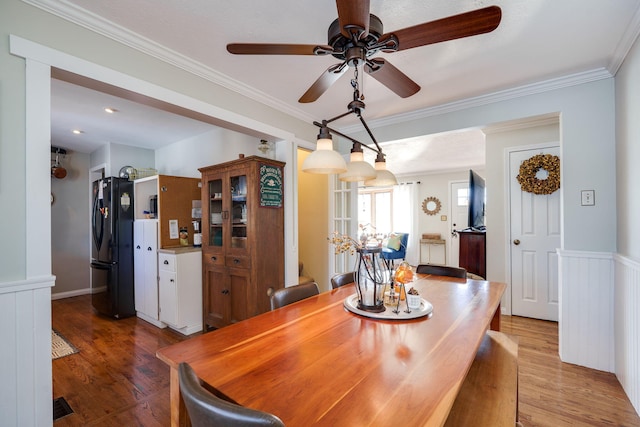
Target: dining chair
x=291 y=294
x=208 y=410
x=342 y=279
x=442 y=270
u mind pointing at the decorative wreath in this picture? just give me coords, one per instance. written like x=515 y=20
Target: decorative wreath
x=433 y=211
x=528 y=180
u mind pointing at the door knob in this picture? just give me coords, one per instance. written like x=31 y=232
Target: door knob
x=516 y=242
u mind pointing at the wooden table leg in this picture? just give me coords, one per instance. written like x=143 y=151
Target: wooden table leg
x=495 y=322
x=179 y=416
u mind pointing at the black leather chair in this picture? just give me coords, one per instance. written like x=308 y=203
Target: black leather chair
x=207 y=410
x=442 y=270
x=342 y=279
x=289 y=295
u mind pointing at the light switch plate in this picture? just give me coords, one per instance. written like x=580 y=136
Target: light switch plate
x=588 y=198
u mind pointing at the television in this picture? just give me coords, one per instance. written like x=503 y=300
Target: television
x=476 y=201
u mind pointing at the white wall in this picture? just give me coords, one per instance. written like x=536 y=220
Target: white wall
x=587 y=137
x=627 y=290
x=528 y=132
x=70 y=240
x=183 y=158
x=436 y=185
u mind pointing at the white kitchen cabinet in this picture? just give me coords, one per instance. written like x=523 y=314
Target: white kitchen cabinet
x=180 y=288
x=145 y=264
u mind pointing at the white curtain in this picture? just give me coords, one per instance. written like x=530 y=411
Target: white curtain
x=405 y=218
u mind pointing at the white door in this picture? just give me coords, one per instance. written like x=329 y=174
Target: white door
x=534 y=238
x=459 y=215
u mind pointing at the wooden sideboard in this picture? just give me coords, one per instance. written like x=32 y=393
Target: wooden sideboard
x=473 y=248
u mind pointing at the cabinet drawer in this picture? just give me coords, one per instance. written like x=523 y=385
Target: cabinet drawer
x=166 y=262
x=214 y=259
x=237 y=261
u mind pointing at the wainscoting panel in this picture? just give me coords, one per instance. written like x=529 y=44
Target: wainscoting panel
x=627 y=327
x=26 y=389
x=586 y=334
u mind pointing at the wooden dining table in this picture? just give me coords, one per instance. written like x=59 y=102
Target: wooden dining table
x=315 y=363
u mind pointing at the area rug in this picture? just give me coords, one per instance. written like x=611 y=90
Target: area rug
x=60 y=347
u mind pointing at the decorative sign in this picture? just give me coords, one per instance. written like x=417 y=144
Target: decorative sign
x=270 y=186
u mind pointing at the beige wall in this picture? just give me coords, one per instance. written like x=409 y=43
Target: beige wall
x=313 y=220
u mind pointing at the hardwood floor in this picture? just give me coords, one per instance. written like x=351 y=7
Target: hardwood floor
x=557 y=394
x=116 y=380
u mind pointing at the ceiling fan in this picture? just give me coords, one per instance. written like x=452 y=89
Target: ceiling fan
x=357 y=35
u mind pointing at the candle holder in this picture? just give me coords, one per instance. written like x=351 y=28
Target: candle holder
x=371 y=275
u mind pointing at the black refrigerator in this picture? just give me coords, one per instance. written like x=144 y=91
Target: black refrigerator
x=112 y=247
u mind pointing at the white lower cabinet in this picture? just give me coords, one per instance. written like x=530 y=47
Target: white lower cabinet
x=145 y=265
x=180 y=289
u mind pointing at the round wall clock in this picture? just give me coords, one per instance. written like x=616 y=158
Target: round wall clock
x=431 y=205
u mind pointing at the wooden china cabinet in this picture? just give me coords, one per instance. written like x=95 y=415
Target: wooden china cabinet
x=242 y=238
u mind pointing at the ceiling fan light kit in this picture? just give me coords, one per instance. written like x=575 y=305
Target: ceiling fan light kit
x=353 y=38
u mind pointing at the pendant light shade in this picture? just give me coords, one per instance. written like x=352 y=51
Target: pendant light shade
x=384 y=178
x=324 y=160
x=358 y=169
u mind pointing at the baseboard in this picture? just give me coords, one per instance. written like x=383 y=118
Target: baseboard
x=187 y=330
x=70 y=294
x=151 y=320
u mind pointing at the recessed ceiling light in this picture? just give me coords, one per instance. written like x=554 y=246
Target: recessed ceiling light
x=77 y=131
x=110 y=110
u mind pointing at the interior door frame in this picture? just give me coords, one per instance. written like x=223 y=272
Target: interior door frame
x=508 y=293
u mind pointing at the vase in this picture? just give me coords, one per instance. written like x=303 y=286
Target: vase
x=371 y=275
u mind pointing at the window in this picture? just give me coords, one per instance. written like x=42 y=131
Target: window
x=375 y=210
x=463 y=196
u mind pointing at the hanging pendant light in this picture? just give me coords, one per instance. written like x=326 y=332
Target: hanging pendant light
x=384 y=177
x=324 y=160
x=357 y=169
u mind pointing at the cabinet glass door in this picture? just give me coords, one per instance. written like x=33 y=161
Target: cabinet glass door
x=239 y=217
x=215 y=212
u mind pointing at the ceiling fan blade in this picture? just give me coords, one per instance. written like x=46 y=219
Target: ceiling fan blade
x=274 y=49
x=466 y=24
x=353 y=16
x=391 y=77
x=323 y=83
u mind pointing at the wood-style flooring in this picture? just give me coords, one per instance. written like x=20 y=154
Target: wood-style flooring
x=116 y=380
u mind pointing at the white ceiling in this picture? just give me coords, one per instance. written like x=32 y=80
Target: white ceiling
x=536 y=43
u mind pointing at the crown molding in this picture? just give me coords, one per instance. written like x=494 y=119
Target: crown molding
x=504 y=95
x=527 y=122
x=626 y=43
x=113 y=31
x=93 y=22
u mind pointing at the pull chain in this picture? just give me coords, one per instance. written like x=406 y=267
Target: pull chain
x=354 y=81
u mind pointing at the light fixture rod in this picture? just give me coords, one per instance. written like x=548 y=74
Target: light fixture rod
x=355 y=141
x=370 y=134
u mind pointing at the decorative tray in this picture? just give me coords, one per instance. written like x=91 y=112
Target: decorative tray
x=351 y=304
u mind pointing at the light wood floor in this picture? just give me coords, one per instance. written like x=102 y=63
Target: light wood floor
x=116 y=380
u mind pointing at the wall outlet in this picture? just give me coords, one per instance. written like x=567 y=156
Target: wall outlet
x=588 y=198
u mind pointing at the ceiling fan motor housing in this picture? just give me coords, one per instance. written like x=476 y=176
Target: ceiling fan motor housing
x=342 y=45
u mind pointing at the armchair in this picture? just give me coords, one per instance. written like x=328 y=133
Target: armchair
x=395 y=248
